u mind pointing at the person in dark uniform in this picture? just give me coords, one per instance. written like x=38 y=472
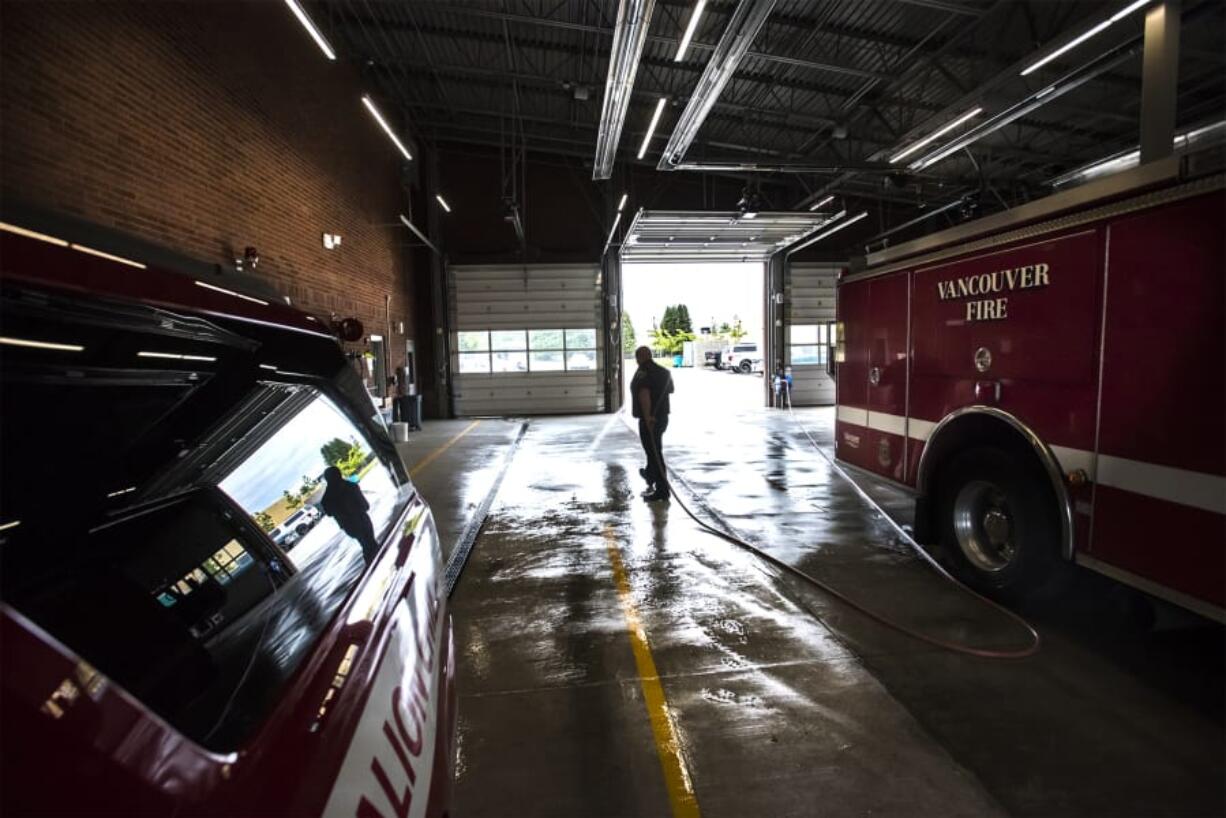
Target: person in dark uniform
x=649 y=391
x=344 y=502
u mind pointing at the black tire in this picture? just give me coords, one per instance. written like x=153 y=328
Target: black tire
x=746 y=366
x=997 y=521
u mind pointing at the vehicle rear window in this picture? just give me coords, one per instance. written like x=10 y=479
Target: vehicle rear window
x=146 y=547
x=745 y=348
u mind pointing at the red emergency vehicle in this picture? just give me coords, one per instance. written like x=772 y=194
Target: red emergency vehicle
x=162 y=653
x=1049 y=382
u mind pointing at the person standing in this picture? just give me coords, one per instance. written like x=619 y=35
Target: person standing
x=649 y=391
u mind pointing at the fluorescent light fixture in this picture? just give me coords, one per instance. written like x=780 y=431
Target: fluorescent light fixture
x=612 y=230
x=370 y=106
x=822 y=203
x=122 y=492
x=175 y=356
x=294 y=374
x=622 y=203
x=7 y=526
x=1132 y=158
x=443 y=202
x=315 y=33
x=91 y=251
x=26 y=342
x=215 y=288
x=689 y=30
x=629 y=37
x=268 y=367
x=651 y=129
x=831 y=231
x=936 y=135
x=30 y=234
x=742 y=28
x=1081 y=38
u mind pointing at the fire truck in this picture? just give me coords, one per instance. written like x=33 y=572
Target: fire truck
x=163 y=652
x=1048 y=382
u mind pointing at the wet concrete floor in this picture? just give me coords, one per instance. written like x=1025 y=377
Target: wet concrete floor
x=767 y=697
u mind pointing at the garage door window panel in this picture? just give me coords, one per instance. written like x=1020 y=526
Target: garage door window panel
x=547 y=350
x=580 y=349
x=807 y=344
x=510 y=350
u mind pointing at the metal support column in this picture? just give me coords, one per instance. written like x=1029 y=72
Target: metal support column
x=773 y=322
x=611 y=302
x=1159 y=80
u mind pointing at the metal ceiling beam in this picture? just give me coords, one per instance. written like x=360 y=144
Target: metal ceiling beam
x=487 y=14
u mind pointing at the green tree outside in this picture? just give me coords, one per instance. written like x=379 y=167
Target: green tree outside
x=629 y=341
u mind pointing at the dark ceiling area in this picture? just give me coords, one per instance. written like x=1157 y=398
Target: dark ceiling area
x=825 y=95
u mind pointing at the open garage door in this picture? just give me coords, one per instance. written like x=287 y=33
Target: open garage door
x=527 y=340
x=810 y=293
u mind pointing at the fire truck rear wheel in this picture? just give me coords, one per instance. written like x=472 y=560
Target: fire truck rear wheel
x=998 y=521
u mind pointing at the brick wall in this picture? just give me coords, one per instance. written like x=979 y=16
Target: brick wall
x=206 y=127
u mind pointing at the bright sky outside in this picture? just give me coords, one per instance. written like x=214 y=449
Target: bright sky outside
x=711 y=291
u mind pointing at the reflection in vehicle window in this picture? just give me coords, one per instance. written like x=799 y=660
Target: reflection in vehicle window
x=178 y=605
x=281 y=484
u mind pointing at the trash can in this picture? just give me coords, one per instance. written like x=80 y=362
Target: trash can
x=400 y=432
x=413 y=404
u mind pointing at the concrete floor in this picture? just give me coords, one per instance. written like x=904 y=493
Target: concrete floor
x=616 y=660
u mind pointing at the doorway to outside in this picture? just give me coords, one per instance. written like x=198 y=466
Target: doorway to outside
x=703 y=320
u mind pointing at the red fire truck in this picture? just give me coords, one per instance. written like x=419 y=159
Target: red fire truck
x=1049 y=382
x=162 y=653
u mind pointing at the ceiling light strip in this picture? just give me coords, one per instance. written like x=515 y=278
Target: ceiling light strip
x=1069 y=82
x=936 y=135
x=651 y=129
x=443 y=202
x=30 y=234
x=822 y=203
x=215 y=288
x=743 y=26
x=109 y=257
x=689 y=30
x=309 y=25
x=1081 y=38
x=370 y=106
x=31 y=344
x=831 y=231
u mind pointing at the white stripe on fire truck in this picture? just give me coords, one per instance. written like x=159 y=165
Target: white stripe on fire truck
x=1183 y=486
x=850 y=414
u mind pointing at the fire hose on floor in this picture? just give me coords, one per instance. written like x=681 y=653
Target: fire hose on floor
x=944 y=644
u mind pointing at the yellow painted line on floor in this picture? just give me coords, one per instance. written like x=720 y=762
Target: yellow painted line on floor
x=668 y=746
x=428 y=459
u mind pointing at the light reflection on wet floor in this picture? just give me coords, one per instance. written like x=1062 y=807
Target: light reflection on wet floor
x=787 y=702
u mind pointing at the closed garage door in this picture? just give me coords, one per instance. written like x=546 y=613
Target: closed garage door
x=526 y=340
x=810 y=299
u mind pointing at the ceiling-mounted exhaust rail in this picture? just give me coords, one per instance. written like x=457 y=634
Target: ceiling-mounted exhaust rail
x=633 y=20
x=743 y=27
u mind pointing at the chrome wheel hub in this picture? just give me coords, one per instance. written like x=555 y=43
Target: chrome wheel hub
x=983 y=526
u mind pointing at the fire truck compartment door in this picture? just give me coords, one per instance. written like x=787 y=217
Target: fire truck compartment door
x=1031 y=307
x=873 y=379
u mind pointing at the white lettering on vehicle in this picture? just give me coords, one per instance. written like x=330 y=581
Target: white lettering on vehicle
x=1026 y=277
x=387 y=769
